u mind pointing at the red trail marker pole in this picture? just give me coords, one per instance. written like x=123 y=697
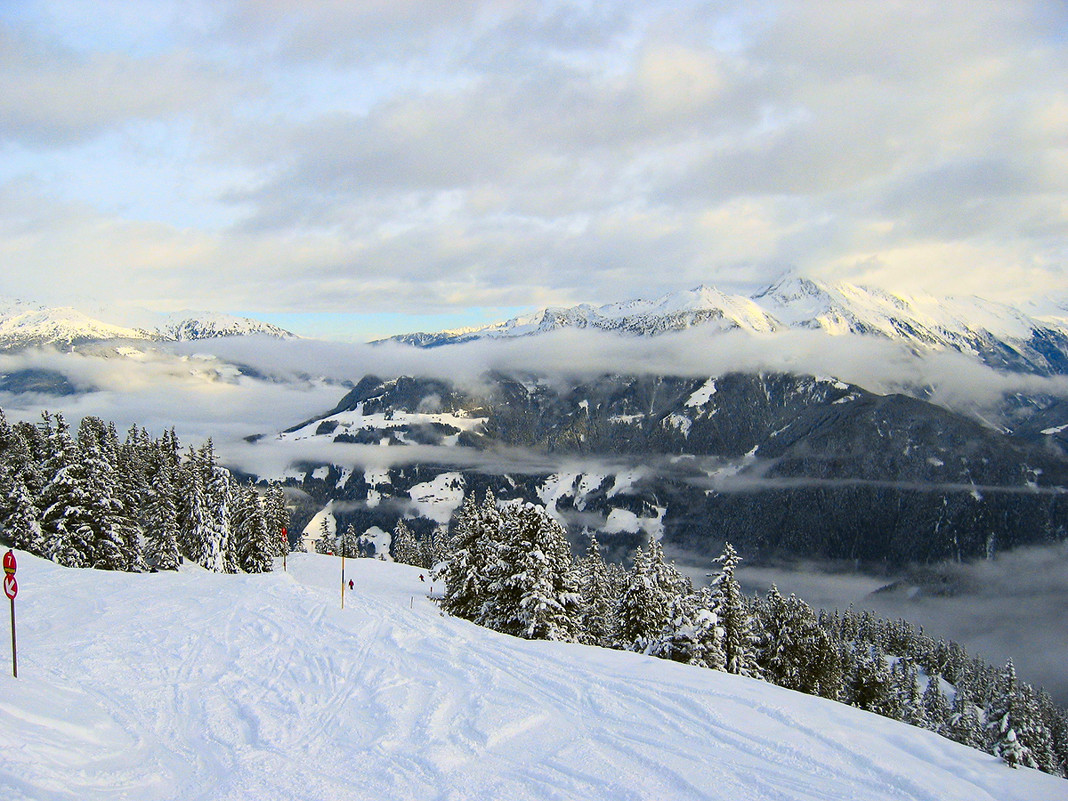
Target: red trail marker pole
x=11 y=589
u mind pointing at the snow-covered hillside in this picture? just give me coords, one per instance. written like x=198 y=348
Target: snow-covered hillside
x=206 y=686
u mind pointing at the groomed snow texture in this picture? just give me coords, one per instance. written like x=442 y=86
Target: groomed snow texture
x=201 y=686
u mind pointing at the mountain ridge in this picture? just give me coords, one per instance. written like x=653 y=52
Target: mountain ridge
x=25 y=324
x=1001 y=336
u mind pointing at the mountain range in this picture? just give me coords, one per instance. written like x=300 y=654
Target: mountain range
x=25 y=324
x=1001 y=336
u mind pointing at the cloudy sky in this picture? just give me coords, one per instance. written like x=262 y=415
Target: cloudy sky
x=375 y=166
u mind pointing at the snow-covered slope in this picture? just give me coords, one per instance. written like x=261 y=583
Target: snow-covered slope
x=1000 y=335
x=203 y=686
x=186 y=325
x=24 y=324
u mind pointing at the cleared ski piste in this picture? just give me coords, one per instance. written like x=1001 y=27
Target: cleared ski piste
x=202 y=686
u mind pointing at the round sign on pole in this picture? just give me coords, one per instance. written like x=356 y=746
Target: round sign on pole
x=9 y=563
x=11 y=587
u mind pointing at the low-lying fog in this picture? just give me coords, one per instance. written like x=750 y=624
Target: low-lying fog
x=1012 y=606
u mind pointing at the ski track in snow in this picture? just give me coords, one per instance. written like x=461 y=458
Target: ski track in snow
x=198 y=686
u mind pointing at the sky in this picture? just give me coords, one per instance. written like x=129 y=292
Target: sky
x=353 y=168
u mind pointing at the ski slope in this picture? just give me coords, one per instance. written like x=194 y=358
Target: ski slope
x=202 y=686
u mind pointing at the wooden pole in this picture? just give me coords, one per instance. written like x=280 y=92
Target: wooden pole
x=342 y=578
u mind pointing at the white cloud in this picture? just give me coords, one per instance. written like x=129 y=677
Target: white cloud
x=422 y=156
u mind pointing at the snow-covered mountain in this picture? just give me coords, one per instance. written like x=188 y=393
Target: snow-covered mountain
x=200 y=685
x=188 y=325
x=24 y=324
x=1001 y=336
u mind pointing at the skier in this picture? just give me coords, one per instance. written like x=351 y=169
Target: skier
x=350 y=584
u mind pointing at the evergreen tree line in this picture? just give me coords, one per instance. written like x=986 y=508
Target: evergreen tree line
x=87 y=499
x=509 y=567
x=405 y=547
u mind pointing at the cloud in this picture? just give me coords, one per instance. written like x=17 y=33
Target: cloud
x=199 y=395
x=426 y=156
x=52 y=95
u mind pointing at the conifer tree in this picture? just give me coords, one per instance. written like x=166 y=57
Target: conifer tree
x=532 y=594
x=115 y=544
x=739 y=640
x=433 y=548
x=162 y=531
x=794 y=651
x=405 y=548
x=643 y=608
x=597 y=623
x=349 y=543
x=964 y=725
x=935 y=707
x=24 y=520
x=277 y=515
x=65 y=502
x=466 y=570
x=325 y=544
x=254 y=547
x=691 y=633
x=870 y=685
x=1002 y=717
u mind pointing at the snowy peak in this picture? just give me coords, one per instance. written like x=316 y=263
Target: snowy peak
x=24 y=324
x=1001 y=336
x=182 y=326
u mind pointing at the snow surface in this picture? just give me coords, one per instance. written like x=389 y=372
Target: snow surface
x=198 y=686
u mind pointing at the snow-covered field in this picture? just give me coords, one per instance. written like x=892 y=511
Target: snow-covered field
x=203 y=686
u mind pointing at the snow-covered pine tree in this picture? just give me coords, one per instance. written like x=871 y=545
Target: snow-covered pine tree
x=277 y=515
x=405 y=548
x=348 y=544
x=794 y=650
x=692 y=634
x=597 y=620
x=193 y=509
x=220 y=554
x=115 y=541
x=935 y=706
x=161 y=518
x=1002 y=718
x=255 y=550
x=533 y=594
x=24 y=521
x=13 y=455
x=907 y=688
x=964 y=724
x=66 y=505
x=433 y=548
x=870 y=685
x=465 y=571
x=739 y=640
x=642 y=609
x=325 y=543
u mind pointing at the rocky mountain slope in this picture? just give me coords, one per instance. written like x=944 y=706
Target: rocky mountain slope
x=780 y=465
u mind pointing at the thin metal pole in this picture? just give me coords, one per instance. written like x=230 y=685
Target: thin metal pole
x=14 y=649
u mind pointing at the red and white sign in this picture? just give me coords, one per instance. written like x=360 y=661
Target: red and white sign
x=11 y=587
x=9 y=563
